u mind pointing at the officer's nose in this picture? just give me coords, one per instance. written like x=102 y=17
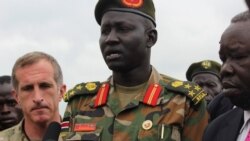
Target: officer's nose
x=5 y=109
x=226 y=69
x=38 y=96
x=112 y=37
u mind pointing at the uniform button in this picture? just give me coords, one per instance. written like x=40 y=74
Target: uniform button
x=147 y=124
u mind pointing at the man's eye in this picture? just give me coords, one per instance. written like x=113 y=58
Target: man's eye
x=222 y=58
x=211 y=85
x=27 y=88
x=11 y=103
x=45 y=85
x=238 y=57
x=105 y=31
x=124 y=29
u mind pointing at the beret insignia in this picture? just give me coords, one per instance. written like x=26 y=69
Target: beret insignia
x=133 y=3
x=144 y=8
x=191 y=90
x=206 y=64
x=82 y=89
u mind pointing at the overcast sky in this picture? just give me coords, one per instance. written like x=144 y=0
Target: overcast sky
x=188 y=31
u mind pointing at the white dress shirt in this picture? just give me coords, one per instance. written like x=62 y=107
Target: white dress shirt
x=245 y=127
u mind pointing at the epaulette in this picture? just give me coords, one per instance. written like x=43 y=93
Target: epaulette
x=167 y=78
x=190 y=89
x=82 y=89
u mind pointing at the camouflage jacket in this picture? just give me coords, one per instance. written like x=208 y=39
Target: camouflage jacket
x=167 y=110
x=14 y=133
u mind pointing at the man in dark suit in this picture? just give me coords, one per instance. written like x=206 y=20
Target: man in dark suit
x=248 y=3
x=235 y=55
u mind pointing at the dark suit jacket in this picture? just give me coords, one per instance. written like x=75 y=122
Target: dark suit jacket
x=226 y=127
x=219 y=105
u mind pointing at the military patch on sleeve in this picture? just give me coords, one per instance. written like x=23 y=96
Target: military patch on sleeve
x=191 y=90
x=82 y=89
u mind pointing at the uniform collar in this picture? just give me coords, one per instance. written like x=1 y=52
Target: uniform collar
x=155 y=77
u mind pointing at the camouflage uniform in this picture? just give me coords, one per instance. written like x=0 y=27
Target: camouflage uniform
x=178 y=114
x=14 y=133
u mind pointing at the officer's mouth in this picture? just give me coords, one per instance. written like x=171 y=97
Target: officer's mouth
x=230 y=89
x=113 y=56
x=8 y=120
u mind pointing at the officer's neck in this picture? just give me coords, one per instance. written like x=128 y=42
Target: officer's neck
x=133 y=77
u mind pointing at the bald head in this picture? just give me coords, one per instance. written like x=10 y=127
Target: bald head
x=248 y=3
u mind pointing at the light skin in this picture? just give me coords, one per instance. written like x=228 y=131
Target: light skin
x=210 y=83
x=125 y=44
x=10 y=112
x=235 y=55
x=39 y=95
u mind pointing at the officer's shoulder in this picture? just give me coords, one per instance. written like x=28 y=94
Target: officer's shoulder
x=194 y=92
x=82 y=89
x=7 y=132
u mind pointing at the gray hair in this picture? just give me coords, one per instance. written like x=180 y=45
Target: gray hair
x=33 y=57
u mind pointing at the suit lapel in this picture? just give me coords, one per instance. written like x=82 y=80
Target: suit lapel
x=232 y=124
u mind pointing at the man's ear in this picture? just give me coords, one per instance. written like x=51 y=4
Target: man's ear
x=14 y=94
x=62 y=91
x=152 y=37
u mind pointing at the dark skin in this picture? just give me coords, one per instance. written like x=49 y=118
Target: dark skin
x=248 y=3
x=235 y=55
x=10 y=112
x=125 y=43
x=210 y=83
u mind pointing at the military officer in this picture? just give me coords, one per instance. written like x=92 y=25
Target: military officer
x=136 y=103
x=206 y=74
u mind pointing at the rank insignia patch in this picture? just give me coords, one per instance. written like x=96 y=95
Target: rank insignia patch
x=85 y=127
x=177 y=84
x=90 y=86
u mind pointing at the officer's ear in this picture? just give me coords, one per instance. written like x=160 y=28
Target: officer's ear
x=62 y=91
x=14 y=94
x=152 y=37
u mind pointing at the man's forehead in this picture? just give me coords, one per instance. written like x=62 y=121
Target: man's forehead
x=236 y=32
x=238 y=27
x=121 y=16
x=5 y=88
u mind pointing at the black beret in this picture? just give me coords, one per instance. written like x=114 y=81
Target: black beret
x=205 y=66
x=144 y=8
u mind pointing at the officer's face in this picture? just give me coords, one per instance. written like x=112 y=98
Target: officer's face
x=123 y=41
x=38 y=93
x=248 y=3
x=210 y=84
x=235 y=55
x=10 y=112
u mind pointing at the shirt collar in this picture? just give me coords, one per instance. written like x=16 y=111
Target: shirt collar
x=246 y=118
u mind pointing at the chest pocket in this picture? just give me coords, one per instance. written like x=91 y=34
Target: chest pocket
x=85 y=136
x=161 y=133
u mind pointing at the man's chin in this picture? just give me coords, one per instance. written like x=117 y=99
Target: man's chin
x=241 y=101
x=232 y=92
x=41 y=119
